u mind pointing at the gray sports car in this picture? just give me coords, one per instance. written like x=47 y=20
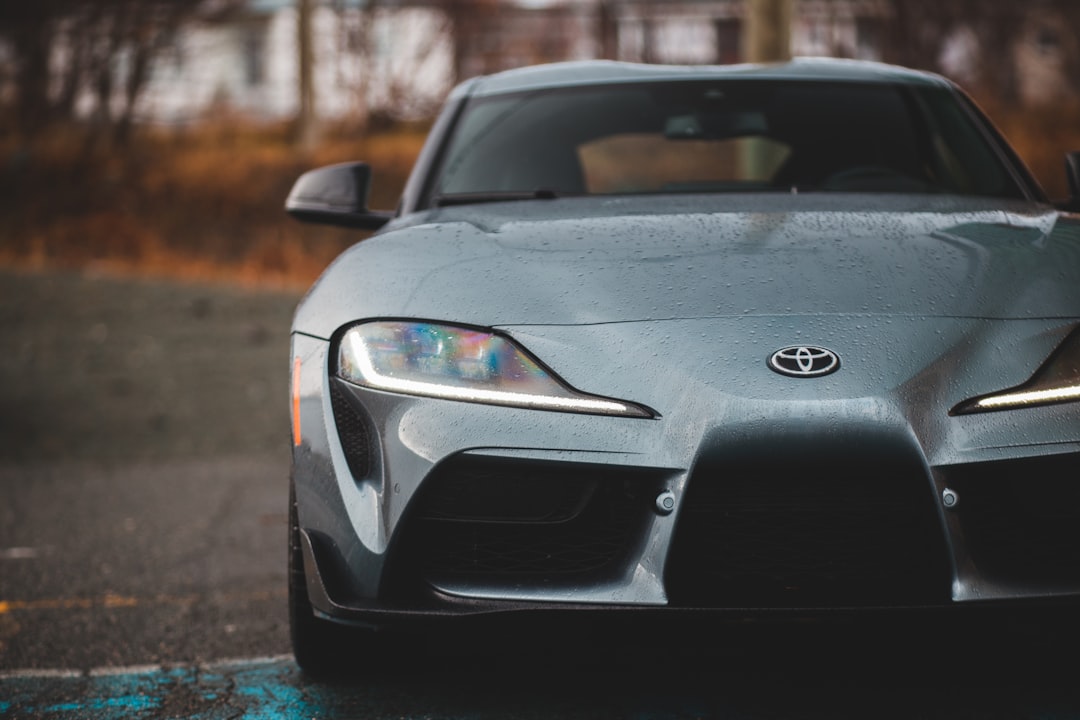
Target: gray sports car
x=639 y=337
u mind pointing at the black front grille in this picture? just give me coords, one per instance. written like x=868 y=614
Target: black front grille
x=1021 y=518
x=513 y=522
x=814 y=530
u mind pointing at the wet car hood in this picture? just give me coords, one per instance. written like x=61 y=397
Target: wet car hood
x=579 y=261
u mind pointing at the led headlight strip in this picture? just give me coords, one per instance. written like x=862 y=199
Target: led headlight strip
x=1056 y=381
x=455 y=363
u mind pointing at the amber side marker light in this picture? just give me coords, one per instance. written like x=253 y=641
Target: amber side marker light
x=296 y=403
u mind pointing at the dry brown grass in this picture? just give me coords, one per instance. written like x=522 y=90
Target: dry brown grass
x=206 y=203
x=201 y=204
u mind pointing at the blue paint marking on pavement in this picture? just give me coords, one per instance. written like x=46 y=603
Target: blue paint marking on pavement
x=256 y=690
x=270 y=692
x=275 y=689
x=98 y=704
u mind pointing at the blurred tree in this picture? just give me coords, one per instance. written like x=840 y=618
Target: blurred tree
x=768 y=30
x=607 y=28
x=649 y=50
x=69 y=55
x=921 y=31
x=306 y=120
x=28 y=29
x=472 y=25
x=380 y=49
x=355 y=42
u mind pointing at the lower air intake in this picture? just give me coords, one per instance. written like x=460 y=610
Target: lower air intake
x=1021 y=518
x=520 y=522
x=812 y=530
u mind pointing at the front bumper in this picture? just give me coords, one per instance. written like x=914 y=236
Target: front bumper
x=384 y=544
x=1017 y=627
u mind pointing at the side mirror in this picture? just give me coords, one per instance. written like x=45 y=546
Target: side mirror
x=1072 y=173
x=336 y=195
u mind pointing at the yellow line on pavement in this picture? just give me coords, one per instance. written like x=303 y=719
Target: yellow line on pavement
x=111 y=601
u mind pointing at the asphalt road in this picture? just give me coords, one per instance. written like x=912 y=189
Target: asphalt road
x=143 y=472
x=143 y=481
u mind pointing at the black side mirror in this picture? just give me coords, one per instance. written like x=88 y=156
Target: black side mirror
x=336 y=195
x=1072 y=174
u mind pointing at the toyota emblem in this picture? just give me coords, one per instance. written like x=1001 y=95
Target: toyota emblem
x=804 y=361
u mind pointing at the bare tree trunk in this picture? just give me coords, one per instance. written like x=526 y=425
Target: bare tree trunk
x=354 y=40
x=103 y=76
x=32 y=43
x=457 y=17
x=649 y=53
x=999 y=28
x=143 y=42
x=464 y=31
x=1070 y=13
x=73 y=73
x=607 y=29
x=94 y=37
x=306 y=120
x=468 y=20
x=767 y=38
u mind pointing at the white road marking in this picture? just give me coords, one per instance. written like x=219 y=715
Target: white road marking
x=19 y=553
x=107 y=671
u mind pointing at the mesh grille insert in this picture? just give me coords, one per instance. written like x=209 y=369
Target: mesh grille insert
x=1021 y=518
x=808 y=531
x=352 y=432
x=518 y=521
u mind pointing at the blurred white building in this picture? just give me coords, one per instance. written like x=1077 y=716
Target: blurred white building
x=246 y=62
x=399 y=57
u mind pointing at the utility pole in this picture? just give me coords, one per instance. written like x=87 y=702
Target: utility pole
x=305 y=63
x=767 y=30
x=766 y=38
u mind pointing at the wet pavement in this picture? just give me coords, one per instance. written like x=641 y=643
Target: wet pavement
x=275 y=688
x=143 y=483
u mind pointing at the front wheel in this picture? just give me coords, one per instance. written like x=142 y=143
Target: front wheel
x=317 y=644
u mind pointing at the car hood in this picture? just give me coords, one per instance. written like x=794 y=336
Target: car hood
x=580 y=261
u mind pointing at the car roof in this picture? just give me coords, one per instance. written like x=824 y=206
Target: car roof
x=605 y=72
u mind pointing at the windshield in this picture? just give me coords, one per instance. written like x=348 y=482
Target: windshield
x=731 y=136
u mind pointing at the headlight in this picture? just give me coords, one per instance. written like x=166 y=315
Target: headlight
x=454 y=363
x=1056 y=381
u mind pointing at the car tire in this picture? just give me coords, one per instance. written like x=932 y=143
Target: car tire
x=317 y=644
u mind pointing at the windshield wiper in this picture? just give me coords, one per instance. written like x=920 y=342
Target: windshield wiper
x=490 y=197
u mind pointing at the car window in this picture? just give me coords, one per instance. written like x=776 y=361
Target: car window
x=731 y=136
x=641 y=162
x=962 y=152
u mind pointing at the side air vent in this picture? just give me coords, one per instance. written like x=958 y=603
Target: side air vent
x=352 y=429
